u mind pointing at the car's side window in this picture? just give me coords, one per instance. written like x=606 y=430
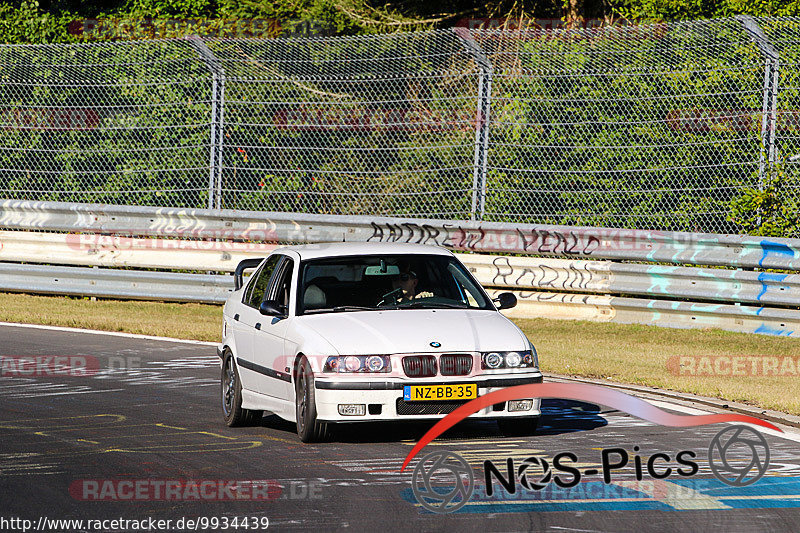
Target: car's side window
x=282 y=283
x=258 y=285
x=249 y=284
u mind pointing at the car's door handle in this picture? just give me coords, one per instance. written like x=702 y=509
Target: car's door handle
x=236 y=316
x=258 y=325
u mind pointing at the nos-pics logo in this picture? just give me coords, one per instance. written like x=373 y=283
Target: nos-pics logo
x=443 y=481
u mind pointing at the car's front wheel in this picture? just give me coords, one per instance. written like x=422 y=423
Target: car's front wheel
x=518 y=427
x=309 y=429
x=231 y=390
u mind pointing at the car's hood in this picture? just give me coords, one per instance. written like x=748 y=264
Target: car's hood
x=413 y=331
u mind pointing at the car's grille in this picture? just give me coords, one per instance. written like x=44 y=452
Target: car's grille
x=427 y=408
x=419 y=366
x=455 y=364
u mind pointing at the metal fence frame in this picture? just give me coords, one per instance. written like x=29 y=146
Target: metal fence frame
x=483 y=106
x=581 y=287
x=770 y=104
x=221 y=80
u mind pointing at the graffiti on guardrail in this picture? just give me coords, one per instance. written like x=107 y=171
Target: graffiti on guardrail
x=571 y=276
x=577 y=241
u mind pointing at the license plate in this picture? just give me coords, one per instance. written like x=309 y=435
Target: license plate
x=438 y=393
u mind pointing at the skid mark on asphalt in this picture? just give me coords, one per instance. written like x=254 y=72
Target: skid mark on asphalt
x=386 y=470
x=67 y=438
x=187 y=362
x=20 y=388
x=163 y=373
x=151 y=373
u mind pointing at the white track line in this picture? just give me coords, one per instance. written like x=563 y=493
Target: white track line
x=112 y=333
x=788 y=433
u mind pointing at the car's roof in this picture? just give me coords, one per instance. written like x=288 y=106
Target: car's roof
x=337 y=249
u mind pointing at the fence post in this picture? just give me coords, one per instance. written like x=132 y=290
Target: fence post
x=483 y=112
x=770 y=102
x=217 y=120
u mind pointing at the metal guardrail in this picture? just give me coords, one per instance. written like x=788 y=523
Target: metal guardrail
x=664 y=313
x=520 y=273
x=108 y=251
x=216 y=288
x=582 y=287
x=654 y=281
x=539 y=239
x=108 y=283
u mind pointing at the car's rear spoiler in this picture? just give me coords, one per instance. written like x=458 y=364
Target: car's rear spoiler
x=243 y=265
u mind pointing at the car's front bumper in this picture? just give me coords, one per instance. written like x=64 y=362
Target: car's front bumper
x=388 y=395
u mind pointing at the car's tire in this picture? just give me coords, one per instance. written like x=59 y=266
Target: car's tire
x=309 y=429
x=231 y=395
x=518 y=427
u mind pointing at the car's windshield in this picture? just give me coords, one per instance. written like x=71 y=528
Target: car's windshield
x=378 y=282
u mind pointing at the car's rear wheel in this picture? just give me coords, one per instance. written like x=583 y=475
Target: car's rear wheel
x=309 y=429
x=518 y=427
x=231 y=391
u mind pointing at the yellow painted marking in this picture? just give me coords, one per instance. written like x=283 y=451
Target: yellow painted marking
x=215 y=441
x=12 y=424
x=209 y=446
x=494 y=451
x=287 y=441
x=160 y=435
x=467 y=442
x=211 y=434
x=169 y=427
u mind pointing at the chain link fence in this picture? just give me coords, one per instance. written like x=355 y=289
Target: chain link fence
x=670 y=126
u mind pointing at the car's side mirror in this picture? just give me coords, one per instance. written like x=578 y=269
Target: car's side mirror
x=271 y=308
x=505 y=300
x=243 y=265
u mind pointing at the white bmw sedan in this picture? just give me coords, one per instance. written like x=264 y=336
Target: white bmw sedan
x=346 y=332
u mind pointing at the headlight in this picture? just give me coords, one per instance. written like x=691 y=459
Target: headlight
x=375 y=363
x=513 y=359
x=352 y=364
x=521 y=359
x=358 y=363
x=492 y=360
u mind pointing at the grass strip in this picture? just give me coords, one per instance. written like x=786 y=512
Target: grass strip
x=635 y=354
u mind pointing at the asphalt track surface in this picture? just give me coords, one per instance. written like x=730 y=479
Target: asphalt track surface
x=152 y=412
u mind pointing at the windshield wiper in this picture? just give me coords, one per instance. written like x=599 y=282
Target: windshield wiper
x=433 y=305
x=342 y=308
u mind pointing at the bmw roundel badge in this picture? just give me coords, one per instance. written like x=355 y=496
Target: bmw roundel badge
x=436 y=344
